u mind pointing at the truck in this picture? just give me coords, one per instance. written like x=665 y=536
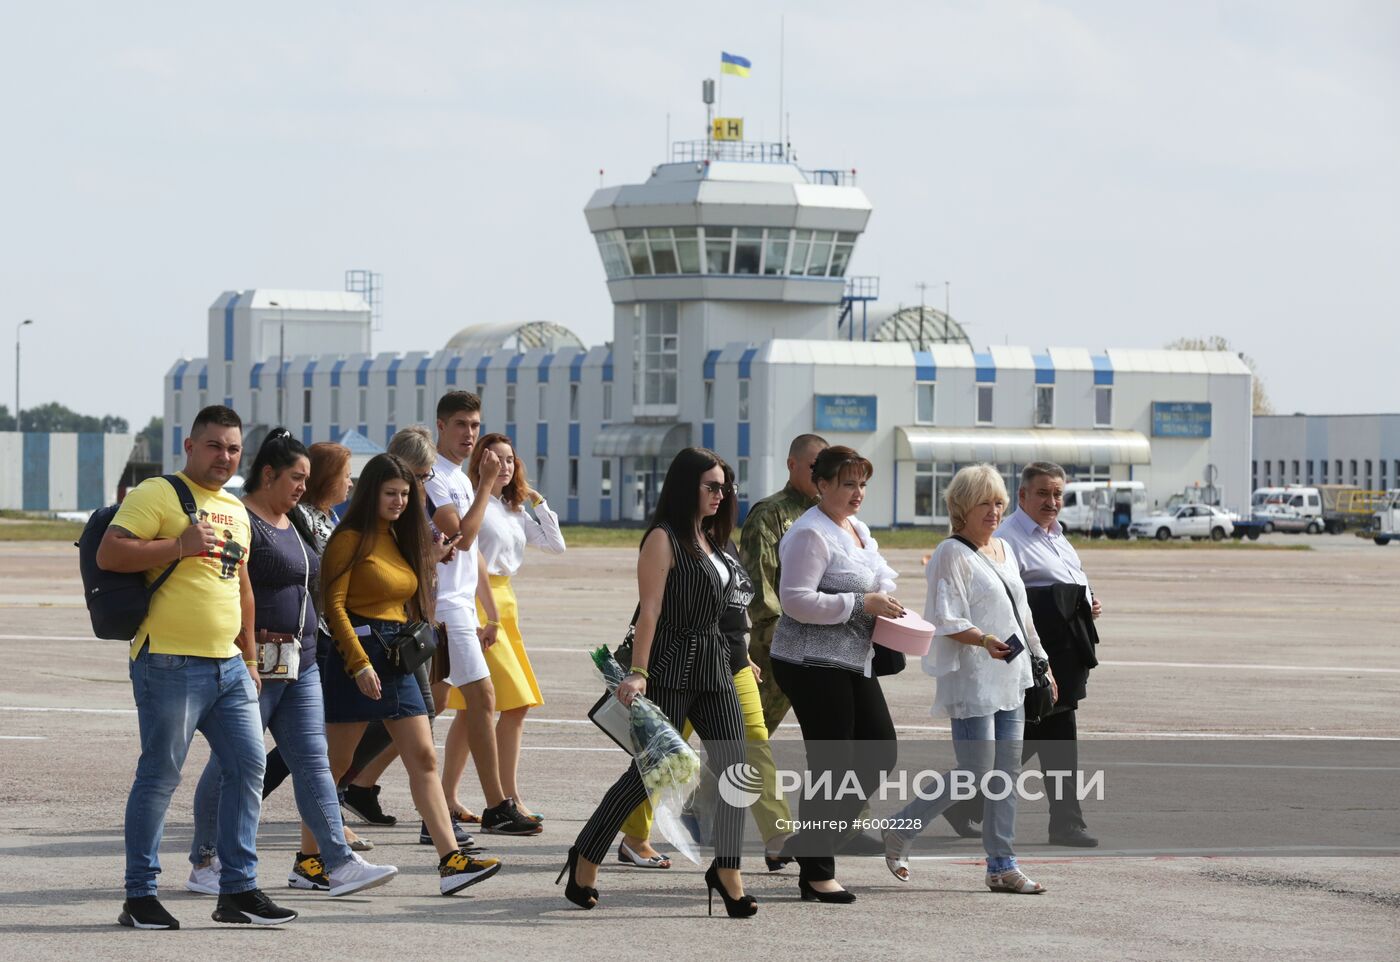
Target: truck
x=1103 y=507
x=1385 y=522
x=1345 y=506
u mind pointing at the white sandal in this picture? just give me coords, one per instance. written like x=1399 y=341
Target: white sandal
x=897 y=864
x=626 y=856
x=1013 y=881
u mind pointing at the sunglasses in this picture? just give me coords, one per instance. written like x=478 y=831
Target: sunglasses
x=714 y=487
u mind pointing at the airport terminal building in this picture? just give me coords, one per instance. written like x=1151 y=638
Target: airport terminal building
x=1356 y=449
x=735 y=326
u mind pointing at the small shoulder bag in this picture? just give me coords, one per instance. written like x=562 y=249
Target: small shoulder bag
x=279 y=653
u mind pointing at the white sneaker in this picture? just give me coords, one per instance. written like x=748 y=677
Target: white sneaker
x=357 y=875
x=205 y=880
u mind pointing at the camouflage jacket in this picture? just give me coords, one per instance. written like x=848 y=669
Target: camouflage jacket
x=764 y=527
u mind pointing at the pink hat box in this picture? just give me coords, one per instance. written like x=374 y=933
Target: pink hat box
x=909 y=633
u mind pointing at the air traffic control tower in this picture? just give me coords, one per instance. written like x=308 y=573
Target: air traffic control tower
x=729 y=245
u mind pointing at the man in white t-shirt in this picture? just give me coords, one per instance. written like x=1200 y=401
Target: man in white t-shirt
x=458 y=512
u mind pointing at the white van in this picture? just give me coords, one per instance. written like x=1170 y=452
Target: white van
x=1263 y=496
x=1103 y=507
x=1305 y=501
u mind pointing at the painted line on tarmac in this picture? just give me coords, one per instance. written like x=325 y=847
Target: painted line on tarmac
x=1206 y=664
x=943 y=729
x=23 y=738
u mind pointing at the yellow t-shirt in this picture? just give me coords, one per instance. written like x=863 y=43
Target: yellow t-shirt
x=198 y=611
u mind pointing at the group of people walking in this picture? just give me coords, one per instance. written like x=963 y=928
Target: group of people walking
x=282 y=614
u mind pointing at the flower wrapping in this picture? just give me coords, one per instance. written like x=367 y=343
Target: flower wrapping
x=669 y=767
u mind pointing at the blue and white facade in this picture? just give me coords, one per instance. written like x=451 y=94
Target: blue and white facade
x=727 y=280
x=61 y=471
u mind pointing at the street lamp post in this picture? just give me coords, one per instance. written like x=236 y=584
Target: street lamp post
x=18 y=327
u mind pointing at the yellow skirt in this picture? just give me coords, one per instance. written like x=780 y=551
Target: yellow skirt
x=511 y=674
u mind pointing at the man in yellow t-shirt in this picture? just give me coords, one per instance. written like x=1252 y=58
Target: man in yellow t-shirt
x=193 y=667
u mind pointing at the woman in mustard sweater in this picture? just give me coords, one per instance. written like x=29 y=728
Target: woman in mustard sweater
x=376 y=576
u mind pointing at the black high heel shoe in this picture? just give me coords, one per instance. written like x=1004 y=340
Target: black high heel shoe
x=584 y=896
x=809 y=894
x=777 y=864
x=743 y=907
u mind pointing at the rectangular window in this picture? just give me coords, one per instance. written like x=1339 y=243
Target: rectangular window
x=709 y=400
x=544 y=402
x=1103 y=406
x=179 y=419
x=420 y=404
x=801 y=245
x=539 y=475
x=663 y=251
x=637 y=255
x=841 y=254
x=605 y=486
x=923 y=490
x=776 y=251
x=743 y=399
x=204 y=400
x=688 y=249
x=614 y=254
x=1312 y=477
x=923 y=402
x=1340 y=476
x=607 y=400
x=1253 y=476
x=335 y=405
x=984 y=403
x=1353 y=461
x=228 y=377
x=306 y=406
x=481 y=392
x=719 y=245
x=390 y=404
x=748 y=250
x=1324 y=471
x=510 y=403
x=1297 y=479
x=1044 y=405
x=253 y=405
x=660 y=357
x=573 y=403
x=741 y=480
x=573 y=477
x=364 y=405
x=821 y=252
x=943 y=472
x=1370 y=478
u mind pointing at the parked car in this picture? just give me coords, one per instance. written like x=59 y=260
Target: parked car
x=1186 y=521
x=1286 y=517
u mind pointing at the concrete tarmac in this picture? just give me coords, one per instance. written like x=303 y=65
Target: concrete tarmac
x=1196 y=644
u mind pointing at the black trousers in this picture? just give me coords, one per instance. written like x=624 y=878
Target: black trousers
x=1055 y=739
x=372 y=742
x=719 y=722
x=846 y=713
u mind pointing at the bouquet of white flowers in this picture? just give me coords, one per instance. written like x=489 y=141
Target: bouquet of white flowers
x=669 y=767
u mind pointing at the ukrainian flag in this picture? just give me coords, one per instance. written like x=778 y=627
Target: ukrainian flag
x=735 y=64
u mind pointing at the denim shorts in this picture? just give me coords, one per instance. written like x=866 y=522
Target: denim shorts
x=400 y=696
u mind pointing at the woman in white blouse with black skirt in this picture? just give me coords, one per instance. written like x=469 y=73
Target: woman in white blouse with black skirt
x=506 y=530
x=833 y=584
x=981 y=656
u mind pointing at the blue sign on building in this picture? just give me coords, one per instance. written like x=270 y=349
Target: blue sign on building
x=1181 y=419
x=854 y=413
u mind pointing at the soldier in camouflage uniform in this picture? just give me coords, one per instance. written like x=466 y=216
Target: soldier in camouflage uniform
x=764 y=527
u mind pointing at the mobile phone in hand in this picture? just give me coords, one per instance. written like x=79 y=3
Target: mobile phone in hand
x=1016 y=645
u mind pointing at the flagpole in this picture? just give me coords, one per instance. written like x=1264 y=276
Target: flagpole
x=782 y=49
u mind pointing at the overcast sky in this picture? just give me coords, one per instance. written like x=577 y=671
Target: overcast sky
x=1101 y=174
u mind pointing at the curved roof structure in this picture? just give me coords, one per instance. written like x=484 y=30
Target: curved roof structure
x=522 y=335
x=934 y=328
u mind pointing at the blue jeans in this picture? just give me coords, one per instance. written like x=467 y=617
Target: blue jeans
x=982 y=744
x=177 y=695
x=293 y=711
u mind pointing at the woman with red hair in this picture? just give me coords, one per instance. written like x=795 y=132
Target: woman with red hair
x=506 y=530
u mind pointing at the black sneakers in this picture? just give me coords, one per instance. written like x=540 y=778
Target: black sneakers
x=505 y=819
x=146 y=912
x=463 y=837
x=251 y=908
x=363 y=803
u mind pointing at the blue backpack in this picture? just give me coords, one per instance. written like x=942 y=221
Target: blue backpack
x=117 y=602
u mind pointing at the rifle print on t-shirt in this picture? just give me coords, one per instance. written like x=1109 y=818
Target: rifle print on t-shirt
x=228 y=553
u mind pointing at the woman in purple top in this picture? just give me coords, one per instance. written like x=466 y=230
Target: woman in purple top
x=282 y=567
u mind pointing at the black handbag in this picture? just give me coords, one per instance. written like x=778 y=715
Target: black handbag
x=1039 y=700
x=887 y=661
x=411 y=646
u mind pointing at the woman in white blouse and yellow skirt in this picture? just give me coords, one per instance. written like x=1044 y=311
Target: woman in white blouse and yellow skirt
x=506 y=530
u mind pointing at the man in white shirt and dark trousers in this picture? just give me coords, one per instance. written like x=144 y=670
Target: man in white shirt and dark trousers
x=458 y=513
x=1064 y=609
